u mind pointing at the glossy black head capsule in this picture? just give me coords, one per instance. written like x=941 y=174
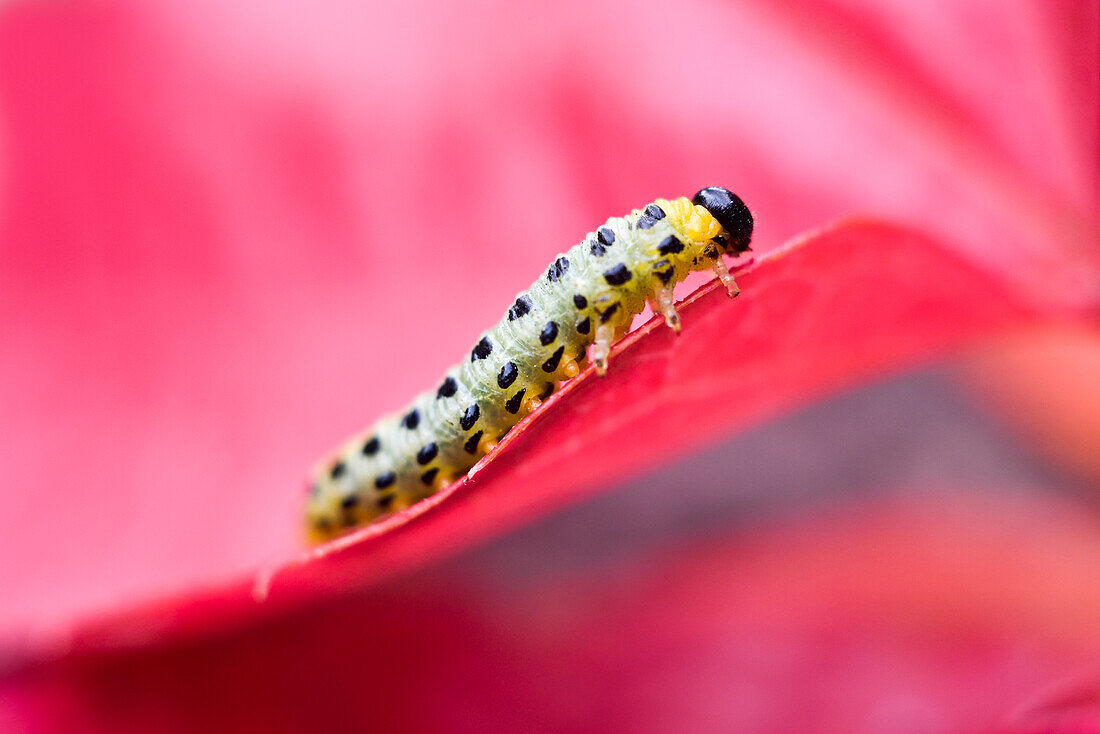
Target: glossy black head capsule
x=730 y=212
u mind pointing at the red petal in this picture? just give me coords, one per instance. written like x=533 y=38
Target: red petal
x=849 y=303
x=895 y=617
x=1045 y=382
x=211 y=208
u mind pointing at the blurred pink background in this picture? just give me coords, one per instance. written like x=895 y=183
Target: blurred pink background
x=233 y=232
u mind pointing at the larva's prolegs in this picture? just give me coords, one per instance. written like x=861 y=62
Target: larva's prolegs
x=586 y=300
x=602 y=348
x=530 y=404
x=666 y=307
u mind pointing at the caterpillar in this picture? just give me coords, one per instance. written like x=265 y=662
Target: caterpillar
x=584 y=301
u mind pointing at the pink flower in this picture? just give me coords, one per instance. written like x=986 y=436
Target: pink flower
x=234 y=233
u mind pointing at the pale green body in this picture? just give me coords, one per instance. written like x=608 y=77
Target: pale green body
x=347 y=496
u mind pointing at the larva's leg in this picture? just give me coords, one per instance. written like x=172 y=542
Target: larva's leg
x=665 y=303
x=440 y=482
x=530 y=404
x=486 y=444
x=724 y=275
x=604 y=334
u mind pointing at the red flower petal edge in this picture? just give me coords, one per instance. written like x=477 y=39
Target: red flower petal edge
x=823 y=312
x=896 y=615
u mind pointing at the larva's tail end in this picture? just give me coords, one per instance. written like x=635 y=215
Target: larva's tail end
x=316 y=533
x=731 y=213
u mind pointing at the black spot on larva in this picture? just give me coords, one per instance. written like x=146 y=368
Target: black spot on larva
x=469 y=418
x=508 y=374
x=447 y=389
x=650 y=216
x=547 y=391
x=584 y=326
x=472 y=442
x=597 y=249
x=580 y=301
x=370 y=448
x=412 y=419
x=731 y=213
x=429 y=476
x=385 y=479
x=670 y=245
x=558 y=269
x=482 y=350
x=606 y=236
x=605 y=315
x=711 y=251
x=427 y=453
x=385 y=500
x=617 y=275
x=338 y=470
x=512 y=406
x=521 y=307
x=664 y=270
x=551 y=364
x=350 y=501
x=549 y=333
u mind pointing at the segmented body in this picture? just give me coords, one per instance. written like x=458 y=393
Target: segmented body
x=585 y=299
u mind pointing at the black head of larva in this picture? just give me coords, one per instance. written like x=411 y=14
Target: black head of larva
x=730 y=212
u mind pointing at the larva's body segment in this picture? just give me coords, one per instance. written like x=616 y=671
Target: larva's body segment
x=587 y=296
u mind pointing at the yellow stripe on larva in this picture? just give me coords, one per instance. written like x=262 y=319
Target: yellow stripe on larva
x=691 y=219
